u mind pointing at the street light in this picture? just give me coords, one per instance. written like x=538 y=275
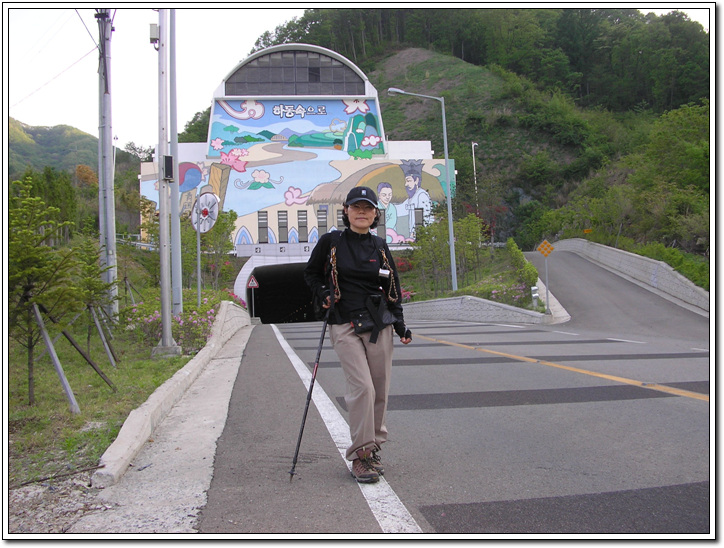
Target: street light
x=453 y=267
x=475 y=178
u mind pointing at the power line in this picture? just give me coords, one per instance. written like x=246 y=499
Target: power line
x=86 y=28
x=53 y=78
x=40 y=45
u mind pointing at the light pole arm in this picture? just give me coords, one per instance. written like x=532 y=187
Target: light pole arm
x=397 y=91
x=453 y=266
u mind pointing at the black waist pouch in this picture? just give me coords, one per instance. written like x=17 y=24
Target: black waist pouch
x=375 y=317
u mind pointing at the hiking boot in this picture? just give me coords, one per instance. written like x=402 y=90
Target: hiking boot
x=376 y=462
x=362 y=469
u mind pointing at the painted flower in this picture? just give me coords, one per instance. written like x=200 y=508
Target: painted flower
x=217 y=144
x=233 y=161
x=239 y=152
x=354 y=105
x=294 y=196
x=260 y=176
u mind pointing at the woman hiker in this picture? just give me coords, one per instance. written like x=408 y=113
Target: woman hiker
x=355 y=268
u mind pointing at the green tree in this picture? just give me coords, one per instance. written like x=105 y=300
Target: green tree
x=671 y=179
x=150 y=235
x=56 y=190
x=188 y=252
x=432 y=254
x=679 y=149
x=128 y=201
x=144 y=154
x=93 y=292
x=197 y=129
x=468 y=247
x=38 y=274
x=217 y=244
x=531 y=229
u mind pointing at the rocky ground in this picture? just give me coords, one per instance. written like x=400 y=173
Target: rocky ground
x=52 y=507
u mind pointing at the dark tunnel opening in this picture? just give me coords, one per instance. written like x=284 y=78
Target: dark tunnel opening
x=282 y=295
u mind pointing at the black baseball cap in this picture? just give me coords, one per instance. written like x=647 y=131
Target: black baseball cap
x=361 y=193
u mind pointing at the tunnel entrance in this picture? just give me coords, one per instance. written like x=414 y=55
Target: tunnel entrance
x=282 y=295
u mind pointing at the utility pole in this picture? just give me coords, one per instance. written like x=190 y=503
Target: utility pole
x=176 y=271
x=475 y=177
x=106 y=195
x=166 y=346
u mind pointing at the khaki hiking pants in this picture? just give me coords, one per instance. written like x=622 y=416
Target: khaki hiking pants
x=367 y=368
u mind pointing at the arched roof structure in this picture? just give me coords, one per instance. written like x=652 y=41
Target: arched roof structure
x=296 y=70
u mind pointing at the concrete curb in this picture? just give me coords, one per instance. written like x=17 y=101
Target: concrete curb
x=142 y=421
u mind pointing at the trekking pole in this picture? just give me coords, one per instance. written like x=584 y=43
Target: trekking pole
x=309 y=395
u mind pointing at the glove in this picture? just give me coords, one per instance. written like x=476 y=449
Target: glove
x=401 y=330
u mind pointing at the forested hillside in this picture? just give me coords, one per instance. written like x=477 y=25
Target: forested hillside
x=617 y=59
x=66 y=160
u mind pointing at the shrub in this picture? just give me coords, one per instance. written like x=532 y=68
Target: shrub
x=407 y=294
x=403 y=264
x=235 y=298
x=516 y=255
x=691 y=266
x=529 y=275
x=504 y=291
x=526 y=272
x=191 y=329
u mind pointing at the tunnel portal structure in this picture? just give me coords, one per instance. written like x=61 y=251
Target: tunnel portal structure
x=281 y=295
x=292 y=129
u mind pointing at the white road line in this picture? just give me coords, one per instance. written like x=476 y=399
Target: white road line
x=386 y=506
x=626 y=341
x=567 y=333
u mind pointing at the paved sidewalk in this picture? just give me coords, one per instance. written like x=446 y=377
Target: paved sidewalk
x=166 y=482
x=251 y=492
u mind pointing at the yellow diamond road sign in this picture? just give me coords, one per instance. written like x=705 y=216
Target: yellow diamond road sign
x=545 y=248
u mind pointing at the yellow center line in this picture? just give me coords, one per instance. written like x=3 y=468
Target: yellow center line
x=624 y=380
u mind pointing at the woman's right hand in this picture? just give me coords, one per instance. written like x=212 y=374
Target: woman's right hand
x=327 y=302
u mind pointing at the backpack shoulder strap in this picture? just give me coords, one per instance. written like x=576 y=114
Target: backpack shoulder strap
x=336 y=237
x=392 y=291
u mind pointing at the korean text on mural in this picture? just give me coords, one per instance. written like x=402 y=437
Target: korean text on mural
x=290 y=111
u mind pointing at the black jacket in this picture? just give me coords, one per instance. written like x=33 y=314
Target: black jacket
x=359 y=261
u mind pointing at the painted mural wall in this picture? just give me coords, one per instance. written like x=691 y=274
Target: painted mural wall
x=295 y=160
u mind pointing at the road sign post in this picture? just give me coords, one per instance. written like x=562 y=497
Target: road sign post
x=546 y=249
x=252 y=284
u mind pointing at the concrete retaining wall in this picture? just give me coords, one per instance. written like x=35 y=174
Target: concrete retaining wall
x=472 y=309
x=655 y=274
x=142 y=421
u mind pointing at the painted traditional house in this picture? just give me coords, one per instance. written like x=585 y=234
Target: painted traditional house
x=293 y=128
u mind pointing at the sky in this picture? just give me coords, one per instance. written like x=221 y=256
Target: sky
x=50 y=61
x=52 y=64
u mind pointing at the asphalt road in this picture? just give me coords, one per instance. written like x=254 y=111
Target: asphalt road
x=598 y=426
